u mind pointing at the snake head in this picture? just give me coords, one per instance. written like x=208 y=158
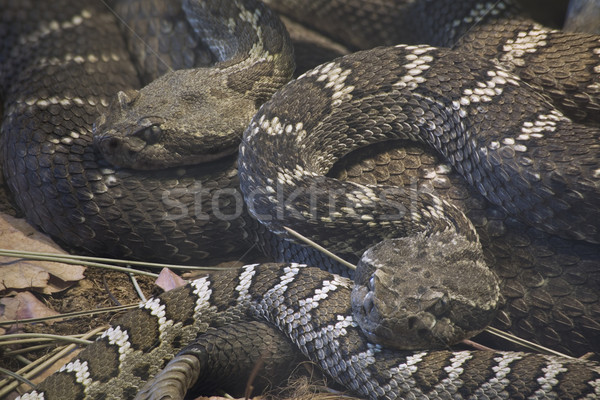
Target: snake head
x=183 y=118
x=123 y=150
x=424 y=291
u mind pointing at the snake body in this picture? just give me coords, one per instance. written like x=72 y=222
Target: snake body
x=527 y=50
x=312 y=308
x=130 y=213
x=88 y=204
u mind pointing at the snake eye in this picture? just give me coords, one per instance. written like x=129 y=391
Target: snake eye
x=372 y=283
x=151 y=134
x=440 y=306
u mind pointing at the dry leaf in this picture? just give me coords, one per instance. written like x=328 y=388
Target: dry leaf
x=44 y=276
x=21 y=306
x=24 y=305
x=168 y=280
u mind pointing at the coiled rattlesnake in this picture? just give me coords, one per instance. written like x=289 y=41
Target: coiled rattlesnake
x=144 y=235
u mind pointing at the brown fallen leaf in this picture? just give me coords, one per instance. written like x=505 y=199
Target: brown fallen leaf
x=24 y=305
x=168 y=280
x=43 y=276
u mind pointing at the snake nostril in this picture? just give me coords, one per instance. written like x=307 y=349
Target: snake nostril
x=113 y=143
x=412 y=321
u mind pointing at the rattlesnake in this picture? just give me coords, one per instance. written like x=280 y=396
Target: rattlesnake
x=312 y=308
x=542 y=208
x=112 y=178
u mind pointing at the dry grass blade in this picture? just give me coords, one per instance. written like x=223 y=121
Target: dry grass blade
x=524 y=343
x=69 y=259
x=16 y=376
x=68 y=315
x=320 y=248
x=58 y=338
x=8 y=385
x=97 y=261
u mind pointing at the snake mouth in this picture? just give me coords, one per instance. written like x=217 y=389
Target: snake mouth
x=134 y=152
x=396 y=324
x=119 y=152
x=203 y=158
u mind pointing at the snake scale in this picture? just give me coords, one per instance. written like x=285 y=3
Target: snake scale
x=123 y=226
